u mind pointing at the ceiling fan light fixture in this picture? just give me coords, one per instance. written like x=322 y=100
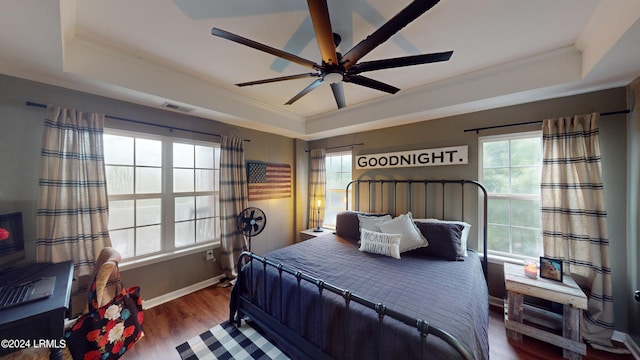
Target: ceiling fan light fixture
x=333 y=78
x=336 y=68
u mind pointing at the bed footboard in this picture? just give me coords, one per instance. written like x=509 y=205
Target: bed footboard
x=296 y=344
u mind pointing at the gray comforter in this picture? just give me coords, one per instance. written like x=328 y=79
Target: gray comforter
x=451 y=295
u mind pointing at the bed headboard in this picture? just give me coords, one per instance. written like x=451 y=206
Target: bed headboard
x=463 y=200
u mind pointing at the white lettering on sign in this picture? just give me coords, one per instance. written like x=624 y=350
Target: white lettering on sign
x=453 y=155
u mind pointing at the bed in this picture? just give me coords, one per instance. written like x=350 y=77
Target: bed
x=327 y=298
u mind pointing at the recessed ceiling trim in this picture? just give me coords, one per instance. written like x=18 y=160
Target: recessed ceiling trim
x=553 y=68
x=112 y=67
x=150 y=65
x=617 y=17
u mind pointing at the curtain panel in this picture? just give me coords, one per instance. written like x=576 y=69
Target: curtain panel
x=574 y=218
x=233 y=199
x=317 y=186
x=72 y=213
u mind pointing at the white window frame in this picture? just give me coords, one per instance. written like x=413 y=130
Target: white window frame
x=500 y=256
x=343 y=203
x=168 y=248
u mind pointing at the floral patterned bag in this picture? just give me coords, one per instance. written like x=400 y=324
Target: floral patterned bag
x=108 y=331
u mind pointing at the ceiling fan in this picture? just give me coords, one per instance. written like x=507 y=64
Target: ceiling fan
x=337 y=68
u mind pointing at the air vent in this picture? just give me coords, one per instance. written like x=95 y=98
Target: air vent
x=177 y=107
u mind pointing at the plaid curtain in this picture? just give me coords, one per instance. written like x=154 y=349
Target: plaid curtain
x=574 y=219
x=72 y=215
x=233 y=199
x=317 y=185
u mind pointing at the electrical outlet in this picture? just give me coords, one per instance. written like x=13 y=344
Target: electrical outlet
x=210 y=255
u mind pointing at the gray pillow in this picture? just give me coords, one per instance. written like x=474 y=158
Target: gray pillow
x=369 y=222
x=465 y=231
x=348 y=224
x=444 y=240
x=403 y=224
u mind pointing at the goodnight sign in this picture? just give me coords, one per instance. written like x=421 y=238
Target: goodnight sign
x=453 y=155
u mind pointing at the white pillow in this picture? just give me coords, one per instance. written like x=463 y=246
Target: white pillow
x=403 y=224
x=380 y=243
x=368 y=222
x=465 y=231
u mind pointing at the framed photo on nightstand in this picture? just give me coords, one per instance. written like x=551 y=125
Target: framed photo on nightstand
x=550 y=268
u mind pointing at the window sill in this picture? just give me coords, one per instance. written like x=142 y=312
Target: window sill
x=158 y=258
x=500 y=259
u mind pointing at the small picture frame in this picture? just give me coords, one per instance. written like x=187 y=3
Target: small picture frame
x=550 y=268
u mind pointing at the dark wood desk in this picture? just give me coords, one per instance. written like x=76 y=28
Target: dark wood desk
x=40 y=321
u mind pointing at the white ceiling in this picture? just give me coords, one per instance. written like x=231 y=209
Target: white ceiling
x=155 y=51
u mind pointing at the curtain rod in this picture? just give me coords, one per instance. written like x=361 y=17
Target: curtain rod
x=171 y=128
x=341 y=146
x=477 y=130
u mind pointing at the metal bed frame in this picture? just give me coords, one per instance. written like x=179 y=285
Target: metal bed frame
x=302 y=348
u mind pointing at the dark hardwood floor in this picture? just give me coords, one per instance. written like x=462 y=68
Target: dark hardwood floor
x=172 y=323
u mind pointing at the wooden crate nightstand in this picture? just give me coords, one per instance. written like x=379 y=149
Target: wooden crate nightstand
x=566 y=293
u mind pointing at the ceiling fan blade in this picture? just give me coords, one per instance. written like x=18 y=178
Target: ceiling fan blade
x=370 y=83
x=322 y=26
x=268 y=49
x=400 y=20
x=399 y=62
x=305 y=91
x=338 y=94
x=281 y=78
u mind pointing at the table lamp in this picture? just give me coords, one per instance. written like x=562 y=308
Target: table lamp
x=318 y=229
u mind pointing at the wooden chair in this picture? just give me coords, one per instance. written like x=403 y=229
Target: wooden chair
x=106 y=263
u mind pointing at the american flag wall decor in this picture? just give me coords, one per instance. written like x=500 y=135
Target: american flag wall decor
x=268 y=181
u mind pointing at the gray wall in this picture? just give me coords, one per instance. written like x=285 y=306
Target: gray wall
x=301 y=186
x=20 y=142
x=450 y=132
x=633 y=254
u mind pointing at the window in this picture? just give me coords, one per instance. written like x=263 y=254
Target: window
x=510 y=169
x=163 y=193
x=338 y=171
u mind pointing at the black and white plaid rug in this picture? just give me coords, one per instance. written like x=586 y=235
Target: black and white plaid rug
x=225 y=341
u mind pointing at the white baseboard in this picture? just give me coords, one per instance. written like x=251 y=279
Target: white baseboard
x=149 y=303
x=624 y=338
x=496 y=301
x=633 y=347
x=618 y=336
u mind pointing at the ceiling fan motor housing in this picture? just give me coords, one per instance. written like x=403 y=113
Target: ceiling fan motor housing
x=333 y=77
